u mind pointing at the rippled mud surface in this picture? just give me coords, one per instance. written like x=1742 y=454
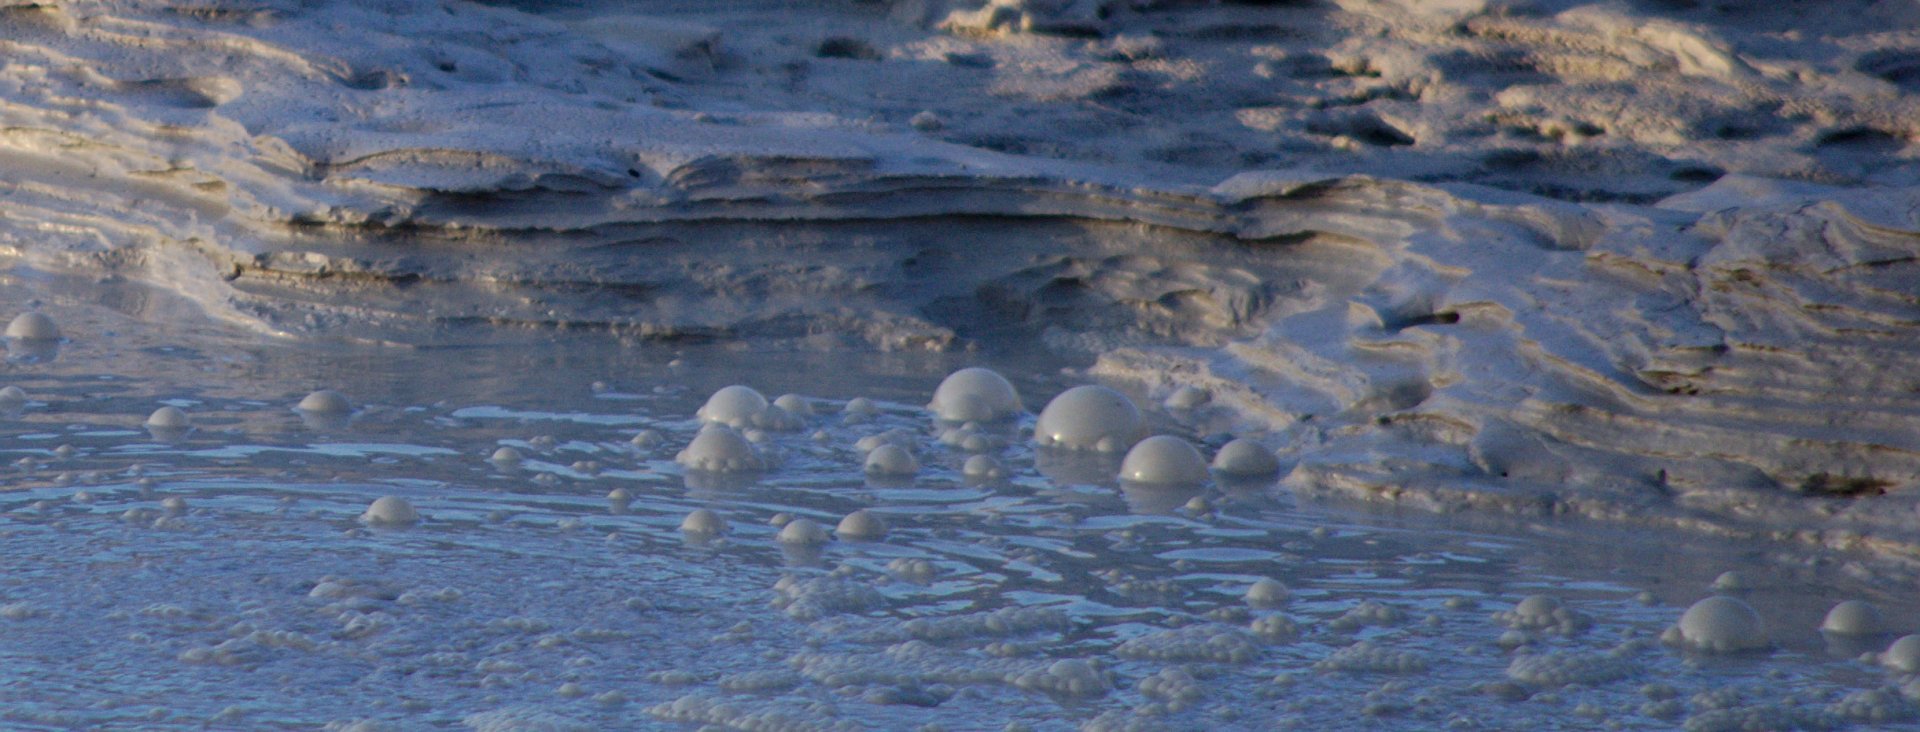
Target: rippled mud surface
x=222 y=578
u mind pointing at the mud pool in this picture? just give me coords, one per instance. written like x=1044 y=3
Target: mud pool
x=221 y=577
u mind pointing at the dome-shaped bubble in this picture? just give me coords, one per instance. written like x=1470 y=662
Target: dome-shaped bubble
x=325 y=401
x=1854 y=617
x=703 y=521
x=734 y=406
x=1732 y=580
x=802 y=531
x=507 y=456
x=896 y=436
x=33 y=326
x=1903 y=655
x=1722 y=624
x=1537 y=607
x=795 y=405
x=891 y=459
x=983 y=467
x=168 y=418
x=12 y=395
x=1164 y=460
x=719 y=450
x=1187 y=397
x=975 y=395
x=861 y=524
x=390 y=511
x=1267 y=592
x=1244 y=458
x=1090 y=417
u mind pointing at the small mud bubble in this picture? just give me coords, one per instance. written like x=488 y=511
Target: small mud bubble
x=983 y=467
x=859 y=409
x=1090 y=417
x=12 y=397
x=1903 y=655
x=720 y=450
x=1244 y=458
x=1267 y=592
x=861 y=525
x=33 y=326
x=507 y=456
x=168 y=418
x=975 y=395
x=1186 y=398
x=1719 y=624
x=892 y=460
x=1732 y=581
x=802 y=532
x=647 y=439
x=897 y=436
x=703 y=521
x=325 y=401
x=795 y=404
x=1543 y=613
x=734 y=406
x=1854 y=617
x=390 y=511
x=1164 y=460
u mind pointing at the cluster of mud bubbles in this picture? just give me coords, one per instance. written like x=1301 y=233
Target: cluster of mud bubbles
x=563 y=534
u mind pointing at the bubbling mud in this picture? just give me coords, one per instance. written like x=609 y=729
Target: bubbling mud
x=1244 y=458
x=861 y=525
x=390 y=511
x=169 y=418
x=1854 y=617
x=736 y=406
x=1164 y=460
x=703 y=521
x=33 y=326
x=975 y=395
x=719 y=449
x=891 y=460
x=1721 y=624
x=1090 y=417
x=325 y=401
